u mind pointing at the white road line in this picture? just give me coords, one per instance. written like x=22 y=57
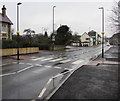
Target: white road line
x=56 y=60
x=8 y=64
x=14 y=62
x=46 y=59
x=64 y=61
x=29 y=63
x=58 y=67
x=24 y=69
x=43 y=91
x=67 y=68
x=7 y=74
x=45 y=88
x=21 y=63
x=38 y=58
x=48 y=66
x=78 y=62
x=38 y=65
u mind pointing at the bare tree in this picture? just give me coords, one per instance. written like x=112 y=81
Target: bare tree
x=115 y=18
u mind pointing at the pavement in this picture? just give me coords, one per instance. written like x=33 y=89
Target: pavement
x=97 y=80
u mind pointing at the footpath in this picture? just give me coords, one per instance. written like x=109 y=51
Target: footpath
x=95 y=81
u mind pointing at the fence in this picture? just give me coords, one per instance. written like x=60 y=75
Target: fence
x=13 y=51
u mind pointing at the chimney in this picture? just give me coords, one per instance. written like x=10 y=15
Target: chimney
x=3 y=11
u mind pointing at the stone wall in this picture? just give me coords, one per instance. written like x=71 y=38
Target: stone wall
x=57 y=47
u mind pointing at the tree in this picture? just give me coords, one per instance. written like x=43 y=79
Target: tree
x=46 y=35
x=29 y=34
x=63 y=35
x=115 y=18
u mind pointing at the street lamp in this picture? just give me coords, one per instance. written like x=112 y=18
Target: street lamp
x=53 y=36
x=18 y=30
x=102 y=31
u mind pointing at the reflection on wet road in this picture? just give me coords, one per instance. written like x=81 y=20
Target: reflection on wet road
x=27 y=79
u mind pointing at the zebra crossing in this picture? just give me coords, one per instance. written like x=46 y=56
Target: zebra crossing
x=59 y=59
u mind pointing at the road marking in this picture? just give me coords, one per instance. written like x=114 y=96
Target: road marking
x=8 y=64
x=46 y=59
x=24 y=69
x=29 y=63
x=56 y=60
x=38 y=65
x=66 y=68
x=14 y=62
x=38 y=58
x=21 y=63
x=7 y=74
x=78 y=62
x=58 y=67
x=64 y=61
x=45 y=88
x=48 y=66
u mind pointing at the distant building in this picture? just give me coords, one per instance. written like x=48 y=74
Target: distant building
x=5 y=25
x=93 y=34
x=99 y=39
x=96 y=37
x=86 y=40
x=76 y=43
x=76 y=40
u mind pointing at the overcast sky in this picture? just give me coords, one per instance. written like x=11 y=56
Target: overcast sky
x=80 y=15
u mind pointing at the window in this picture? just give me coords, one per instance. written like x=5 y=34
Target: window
x=4 y=34
x=87 y=38
x=4 y=28
x=93 y=36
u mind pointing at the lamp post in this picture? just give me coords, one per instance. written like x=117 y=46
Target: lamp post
x=18 y=30
x=53 y=36
x=102 y=31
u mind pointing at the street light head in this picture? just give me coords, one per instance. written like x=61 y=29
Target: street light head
x=101 y=8
x=54 y=6
x=19 y=3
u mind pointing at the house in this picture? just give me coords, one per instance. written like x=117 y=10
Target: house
x=76 y=43
x=76 y=40
x=94 y=35
x=99 y=39
x=5 y=25
x=86 y=40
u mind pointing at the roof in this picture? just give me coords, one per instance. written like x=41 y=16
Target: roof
x=5 y=19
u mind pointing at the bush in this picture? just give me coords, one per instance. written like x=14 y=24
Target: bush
x=44 y=46
x=24 y=41
x=9 y=44
x=23 y=44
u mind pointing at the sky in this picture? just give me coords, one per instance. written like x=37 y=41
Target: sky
x=79 y=15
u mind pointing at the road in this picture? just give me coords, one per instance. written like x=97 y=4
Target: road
x=26 y=79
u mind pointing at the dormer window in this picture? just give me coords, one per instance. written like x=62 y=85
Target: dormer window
x=4 y=28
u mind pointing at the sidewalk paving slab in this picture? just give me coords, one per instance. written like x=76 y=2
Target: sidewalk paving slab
x=92 y=81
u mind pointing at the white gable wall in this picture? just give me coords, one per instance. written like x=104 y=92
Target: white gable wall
x=84 y=39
